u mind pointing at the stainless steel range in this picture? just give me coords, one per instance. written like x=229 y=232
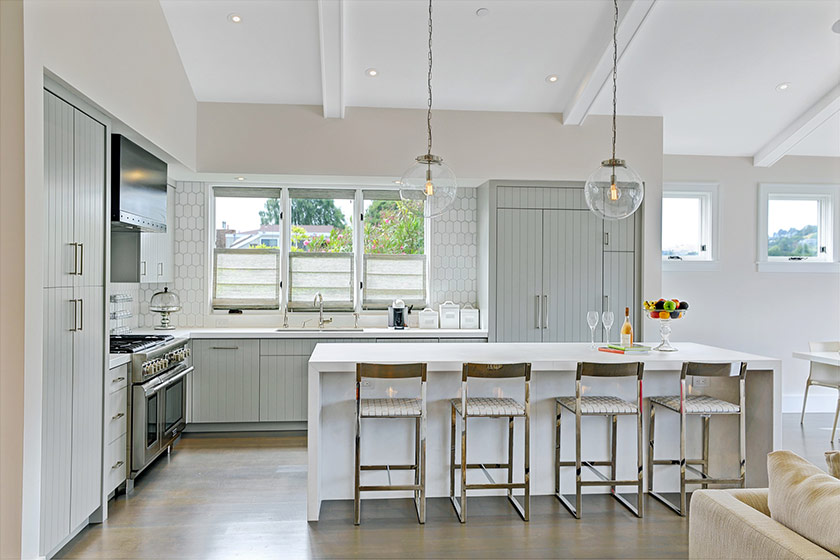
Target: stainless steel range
x=158 y=397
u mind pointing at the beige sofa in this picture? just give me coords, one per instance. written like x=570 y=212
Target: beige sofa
x=805 y=519
x=737 y=524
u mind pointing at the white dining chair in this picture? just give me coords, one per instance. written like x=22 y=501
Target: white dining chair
x=823 y=375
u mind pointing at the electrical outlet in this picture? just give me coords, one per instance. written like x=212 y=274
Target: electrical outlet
x=367 y=384
x=700 y=381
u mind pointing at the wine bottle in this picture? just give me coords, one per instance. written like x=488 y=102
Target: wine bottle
x=627 y=330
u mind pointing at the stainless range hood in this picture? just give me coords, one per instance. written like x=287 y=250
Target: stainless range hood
x=138 y=188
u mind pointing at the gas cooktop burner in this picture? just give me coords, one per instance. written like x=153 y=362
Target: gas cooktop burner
x=130 y=343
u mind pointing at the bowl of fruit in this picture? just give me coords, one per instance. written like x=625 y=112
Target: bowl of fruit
x=664 y=311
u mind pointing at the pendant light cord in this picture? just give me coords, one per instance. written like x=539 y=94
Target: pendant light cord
x=615 y=69
x=429 y=83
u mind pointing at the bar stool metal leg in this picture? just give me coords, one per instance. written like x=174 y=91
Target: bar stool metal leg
x=452 y=458
x=578 y=477
x=510 y=455
x=463 y=512
x=558 y=416
x=651 y=438
x=356 y=488
x=640 y=491
x=682 y=463
x=527 y=458
x=613 y=422
x=705 y=463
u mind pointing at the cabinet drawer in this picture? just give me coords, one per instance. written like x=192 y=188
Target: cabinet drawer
x=117 y=378
x=115 y=464
x=288 y=346
x=115 y=415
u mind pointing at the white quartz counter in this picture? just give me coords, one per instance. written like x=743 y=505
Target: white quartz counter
x=116 y=360
x=327 y=333
x=331 y=388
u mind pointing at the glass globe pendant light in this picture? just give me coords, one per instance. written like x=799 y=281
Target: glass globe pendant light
x=429 y=185
x=614 y=191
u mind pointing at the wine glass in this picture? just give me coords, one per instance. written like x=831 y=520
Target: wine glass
x=592 y=321
x=608 y=318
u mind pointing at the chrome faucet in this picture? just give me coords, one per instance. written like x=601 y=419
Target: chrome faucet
x=319 y=303
x=286 y=317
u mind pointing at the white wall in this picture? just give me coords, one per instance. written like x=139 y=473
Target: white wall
x=121 y=57
x=735 y=306
x=12 y=253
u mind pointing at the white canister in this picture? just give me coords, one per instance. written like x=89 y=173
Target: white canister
x=469 y=317
x=450 y=317
x=427 y=319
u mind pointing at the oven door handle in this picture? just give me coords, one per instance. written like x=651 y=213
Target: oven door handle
x=168 y=382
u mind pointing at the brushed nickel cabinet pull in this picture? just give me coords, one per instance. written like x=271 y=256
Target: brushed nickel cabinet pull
x=160 y=269
x=539 y=313
x=117 y=465
x=143 y=270
x=117 y=416
x=75 y=258
x=81 y=314
x=75 y=314
x=224 y=348
x=118 y=379
x=81 y=247
x=545 y=312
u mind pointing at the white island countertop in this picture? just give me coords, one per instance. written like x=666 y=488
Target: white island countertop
x=828 y=358
x=331 y=387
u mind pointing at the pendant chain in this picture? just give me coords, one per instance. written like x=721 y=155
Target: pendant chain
x=615 y=71
x=429 y=83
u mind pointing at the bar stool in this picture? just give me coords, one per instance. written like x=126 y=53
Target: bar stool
x=704 y=406
x=612 y=408
x=491 y=408
x=393 y=408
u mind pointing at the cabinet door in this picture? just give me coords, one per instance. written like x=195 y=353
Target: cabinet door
x=226 y=381
x=572 y=265
x=88 y=382
x=519 y=253
x=620 y=290
x=166 y=265
x=89 y=198
x=60 y=258
x=283 y=388
x=56 y=434
x=620 y=235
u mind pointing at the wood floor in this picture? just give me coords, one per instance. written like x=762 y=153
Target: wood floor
x=245 y=497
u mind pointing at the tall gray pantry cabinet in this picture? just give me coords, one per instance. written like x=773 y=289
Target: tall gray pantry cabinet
x=555 y=260
x=74 y=326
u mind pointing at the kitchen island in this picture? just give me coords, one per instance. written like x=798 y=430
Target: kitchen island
x=331 y=414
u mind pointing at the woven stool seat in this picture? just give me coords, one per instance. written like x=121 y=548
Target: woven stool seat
x=698 y=404
x=390 y=408
x=599 y=405
x=487 y=406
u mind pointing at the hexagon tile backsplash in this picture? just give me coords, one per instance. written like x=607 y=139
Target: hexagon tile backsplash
x=453 y=250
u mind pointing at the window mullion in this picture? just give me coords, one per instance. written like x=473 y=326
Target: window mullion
x=358 y=248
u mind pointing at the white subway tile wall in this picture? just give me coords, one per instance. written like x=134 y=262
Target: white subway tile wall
x=453 y=258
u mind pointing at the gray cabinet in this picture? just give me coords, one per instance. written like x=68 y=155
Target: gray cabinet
x=75 y=154
x=226 y=381
x=157 y=249
x=283 y=386
x=554 y=261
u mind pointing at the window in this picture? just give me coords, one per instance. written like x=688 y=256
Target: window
x=797 y=224
x=321 y=248
x=689 y=222
x=394 y=261
x=246 y=253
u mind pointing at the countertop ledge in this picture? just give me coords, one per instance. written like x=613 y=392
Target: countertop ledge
x=272 y=332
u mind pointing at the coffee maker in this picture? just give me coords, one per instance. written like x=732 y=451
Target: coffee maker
x=397 y=314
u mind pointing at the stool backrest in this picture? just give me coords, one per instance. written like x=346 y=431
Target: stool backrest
x=825 y=374
x=702 y=369
x=590 y=369
x=391 y=371
x=495 y=371
x=833 y=346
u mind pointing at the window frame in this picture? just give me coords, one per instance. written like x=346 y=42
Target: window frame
x=710 y=219
x=285 y=240
x=828 y=196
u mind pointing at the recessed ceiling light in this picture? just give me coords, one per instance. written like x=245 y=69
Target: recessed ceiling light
x=234 y=18
x=783 y=86
x=372 y=72
x=240 y=178
x=836 y=26
x=481 y=12
x=551 y=78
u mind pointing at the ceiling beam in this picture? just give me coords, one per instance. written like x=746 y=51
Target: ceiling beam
x=796 y=131
x=331 y=28
x=597 y=75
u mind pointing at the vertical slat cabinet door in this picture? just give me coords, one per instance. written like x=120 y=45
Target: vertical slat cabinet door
x=89 y=199
x=57 y=415
x=226 y=381
x=88 y=382
x=572 y=265
x=59 y=253
x=620 y=289
x=519 y=254
x=620 y=235
x=283 y=383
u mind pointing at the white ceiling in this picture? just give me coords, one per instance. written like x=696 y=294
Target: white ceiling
x=708 y=67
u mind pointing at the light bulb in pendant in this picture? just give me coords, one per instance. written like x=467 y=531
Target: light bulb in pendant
x=615 y=194
x=429 y=188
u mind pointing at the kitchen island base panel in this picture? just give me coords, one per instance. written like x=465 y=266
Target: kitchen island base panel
x=330 y=430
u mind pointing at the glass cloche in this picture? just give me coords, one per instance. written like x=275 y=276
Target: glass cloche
x=165 y=302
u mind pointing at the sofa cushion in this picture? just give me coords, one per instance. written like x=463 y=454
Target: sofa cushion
x=832 y=459
x=804 y=499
